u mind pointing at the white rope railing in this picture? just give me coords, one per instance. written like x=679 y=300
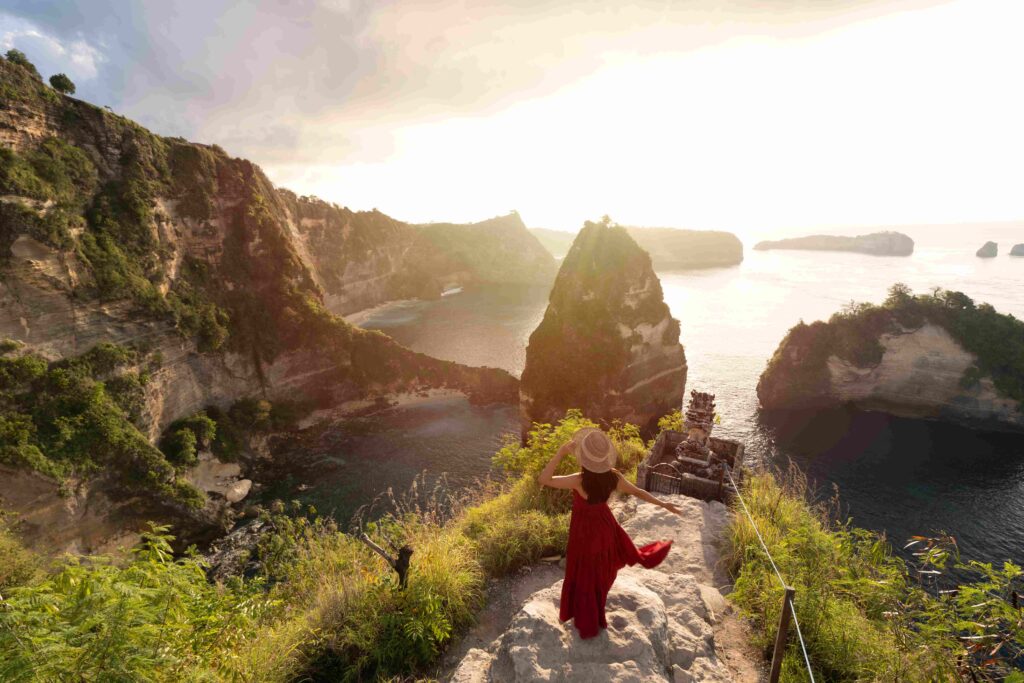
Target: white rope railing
x=788 y=608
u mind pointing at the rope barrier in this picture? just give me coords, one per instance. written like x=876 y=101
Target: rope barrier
x=800 y=637
x=785 y=586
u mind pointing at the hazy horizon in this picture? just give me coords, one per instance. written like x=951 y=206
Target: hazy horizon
x=757 y=118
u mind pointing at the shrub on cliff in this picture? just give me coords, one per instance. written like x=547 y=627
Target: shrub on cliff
x=74 y=418
x=154 y=618
x=18 y=57
x=62 y=84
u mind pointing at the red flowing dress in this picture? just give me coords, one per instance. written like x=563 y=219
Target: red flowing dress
x=598 y=549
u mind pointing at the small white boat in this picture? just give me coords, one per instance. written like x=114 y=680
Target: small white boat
x=453 y=290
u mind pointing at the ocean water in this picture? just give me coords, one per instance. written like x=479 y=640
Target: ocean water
x=899 y=476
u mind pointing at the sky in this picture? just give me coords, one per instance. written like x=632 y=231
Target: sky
x=758 y=116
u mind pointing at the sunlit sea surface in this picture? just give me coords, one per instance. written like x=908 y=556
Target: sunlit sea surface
x=900 y=476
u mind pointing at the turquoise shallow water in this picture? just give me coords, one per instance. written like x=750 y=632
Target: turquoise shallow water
x=901 y=476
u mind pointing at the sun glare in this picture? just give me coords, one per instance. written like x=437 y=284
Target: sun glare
x=851 y=126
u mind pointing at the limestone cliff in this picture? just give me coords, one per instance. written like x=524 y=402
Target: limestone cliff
x=109 y=233
x=675 y=249
x=365 y=258
x=934 y=357
x=607 y=343
x=875 y=244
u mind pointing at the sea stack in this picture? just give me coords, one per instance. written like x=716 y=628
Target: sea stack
x=608 y=344
x=1017 y=250
x=988 y=250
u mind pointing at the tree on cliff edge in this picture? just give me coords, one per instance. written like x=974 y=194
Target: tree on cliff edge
x=62 y=84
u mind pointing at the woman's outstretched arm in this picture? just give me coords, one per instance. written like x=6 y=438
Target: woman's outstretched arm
x=626 y=486
x=566 y=481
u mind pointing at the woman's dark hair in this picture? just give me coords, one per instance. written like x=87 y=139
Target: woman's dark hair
x=599 y=486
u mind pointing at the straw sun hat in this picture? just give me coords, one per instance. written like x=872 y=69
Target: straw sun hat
x=595 y=450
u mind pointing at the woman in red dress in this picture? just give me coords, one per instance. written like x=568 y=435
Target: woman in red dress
x=598 y=546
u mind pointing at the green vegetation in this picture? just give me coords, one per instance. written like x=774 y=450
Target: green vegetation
x=18 y=57
x=62 y=84
x=63 y=190
x=854 y=333
x=74 y=418
x=18 y=566
x=154 y=619
x=864 y=612
x=323 y=606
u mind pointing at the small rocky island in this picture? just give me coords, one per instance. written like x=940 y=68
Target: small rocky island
x=876 y=244
x=608 y=343
x=935 y=356
x=1017 y=250
x=988 y=250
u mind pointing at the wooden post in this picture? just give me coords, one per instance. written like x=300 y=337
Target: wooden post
x=781 y=637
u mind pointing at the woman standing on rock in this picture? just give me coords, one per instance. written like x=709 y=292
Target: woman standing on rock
x=598 y=546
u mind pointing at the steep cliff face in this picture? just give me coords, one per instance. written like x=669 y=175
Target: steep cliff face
x=362 y=259
x=674 y=249
x=607 y=344
x=875 y=244
x=905 y=359
x=109 y=233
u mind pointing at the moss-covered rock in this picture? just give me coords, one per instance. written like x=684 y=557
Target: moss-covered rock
x=608 y=343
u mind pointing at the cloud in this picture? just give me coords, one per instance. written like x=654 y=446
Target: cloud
x=76 y=57
x=426 y=109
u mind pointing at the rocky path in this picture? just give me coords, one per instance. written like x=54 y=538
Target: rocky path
x=667 y=624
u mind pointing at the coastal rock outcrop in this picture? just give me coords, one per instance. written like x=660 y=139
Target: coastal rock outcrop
x=675 y=249
x=876 y=244
x=1017 y=250
x=988 y=250
x=608 y=343
x=905 y=359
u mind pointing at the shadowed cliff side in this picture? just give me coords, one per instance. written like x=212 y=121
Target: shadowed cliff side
x=608 y=343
